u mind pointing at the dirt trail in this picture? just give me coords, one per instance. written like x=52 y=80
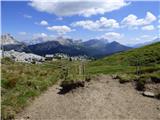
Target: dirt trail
x=103 y=98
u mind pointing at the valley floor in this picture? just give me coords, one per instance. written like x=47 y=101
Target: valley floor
x=101 y=98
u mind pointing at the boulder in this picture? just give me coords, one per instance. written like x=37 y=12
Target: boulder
x=148 y=94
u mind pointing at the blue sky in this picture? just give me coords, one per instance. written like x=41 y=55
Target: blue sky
x=127 y=22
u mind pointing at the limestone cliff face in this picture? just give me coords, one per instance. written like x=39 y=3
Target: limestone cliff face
x=7 y=39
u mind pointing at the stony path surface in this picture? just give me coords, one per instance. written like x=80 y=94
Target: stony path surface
x=102 y=99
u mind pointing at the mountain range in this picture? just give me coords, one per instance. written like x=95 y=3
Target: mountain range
x=93 y=48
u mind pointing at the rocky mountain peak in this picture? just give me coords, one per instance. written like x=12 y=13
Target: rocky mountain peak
x=7 y=39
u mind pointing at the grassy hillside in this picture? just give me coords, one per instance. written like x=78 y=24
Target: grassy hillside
x=146 y=57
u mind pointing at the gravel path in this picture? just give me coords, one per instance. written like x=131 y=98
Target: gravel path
x=101 y=99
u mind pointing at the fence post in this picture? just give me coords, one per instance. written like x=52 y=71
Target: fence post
x=83 y=70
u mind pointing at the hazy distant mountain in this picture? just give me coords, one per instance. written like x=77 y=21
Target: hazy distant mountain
x=64 y=41
x=36 y=41
x=52 y=47
x=61 y=40
x=146 y=43
x=94 y=47
x=95 y=43
x=101 y=47
x=107 y=49
x=114 y=47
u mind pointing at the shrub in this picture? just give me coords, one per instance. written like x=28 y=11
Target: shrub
x=10 y=82
x=123 y=78
x=140 y=85
x=68 y=85
x=155 y=77
x=6 y=60
x=149 y=69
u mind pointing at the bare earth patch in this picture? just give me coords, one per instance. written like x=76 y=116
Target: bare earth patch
x=102 y=98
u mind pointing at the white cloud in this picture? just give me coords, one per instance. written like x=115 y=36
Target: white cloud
x=27 y=16
x=60 y=29
x=133 y=21
x=149 y=18
x=112 y=36
x=158 y=27
x=87 y=24
x=141 y=39
x=22 y=33
x=77 y=7
x=39 y=35
x=44 y=23
x=146 y=37
x=102 y=23
x=148 y=27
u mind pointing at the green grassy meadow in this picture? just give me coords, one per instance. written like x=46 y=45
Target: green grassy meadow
x=146 y=58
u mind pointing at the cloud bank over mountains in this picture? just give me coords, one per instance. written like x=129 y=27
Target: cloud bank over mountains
x=117 y=20
x=88 y=8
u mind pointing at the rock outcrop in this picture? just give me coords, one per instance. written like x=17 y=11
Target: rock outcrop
x=23 y=57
